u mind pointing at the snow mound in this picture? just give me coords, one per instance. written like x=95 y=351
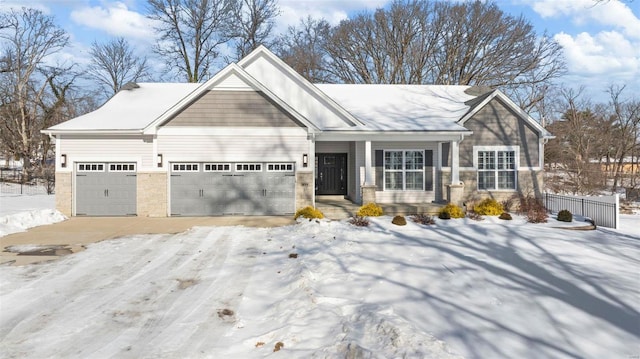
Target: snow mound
x=20 y=222
x=380 y=333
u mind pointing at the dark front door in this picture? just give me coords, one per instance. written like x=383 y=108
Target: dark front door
x=331 y=174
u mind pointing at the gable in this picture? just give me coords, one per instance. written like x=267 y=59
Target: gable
x=226 y=108
x=496 y=124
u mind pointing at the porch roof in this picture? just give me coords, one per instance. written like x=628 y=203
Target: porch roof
x=401 y=108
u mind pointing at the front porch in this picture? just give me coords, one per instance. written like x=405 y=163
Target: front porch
x=338 y=207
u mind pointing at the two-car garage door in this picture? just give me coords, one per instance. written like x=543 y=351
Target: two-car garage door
x=210 y=189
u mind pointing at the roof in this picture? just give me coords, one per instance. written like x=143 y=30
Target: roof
x=130 y=110
x=403 y=107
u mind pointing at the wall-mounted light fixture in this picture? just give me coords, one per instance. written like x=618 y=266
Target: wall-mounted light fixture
x=159 y=160
x=305 y=160
x=63 y=160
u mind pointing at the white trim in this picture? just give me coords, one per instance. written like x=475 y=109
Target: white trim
x=375 y=136
x=232 y=68
x=369 y=179
x=262 y=51
x=226 y=131
x=455 y=162
x=404 y=170
x=496 y=149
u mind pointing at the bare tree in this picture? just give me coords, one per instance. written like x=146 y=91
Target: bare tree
x=251 y=24
x=450 y=43
x=114 y=63
x=29 y=37
x=387 y=46
x=625 y=126
x=303 y=47
x=190 y=33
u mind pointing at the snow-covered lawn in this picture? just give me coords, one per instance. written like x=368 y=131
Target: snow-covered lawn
x=460 y=288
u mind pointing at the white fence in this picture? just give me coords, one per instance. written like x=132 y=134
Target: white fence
x=603 y=210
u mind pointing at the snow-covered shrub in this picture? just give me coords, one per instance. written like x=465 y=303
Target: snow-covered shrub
x=423 y=219
x=450 y=211
x=359 y=221
x=370 y=210
x=488 y=207
x=399 y=221
x=309 y=213
x=565 y=216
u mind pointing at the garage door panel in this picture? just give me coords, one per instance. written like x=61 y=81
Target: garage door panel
x=104 y=193
x=232 y=192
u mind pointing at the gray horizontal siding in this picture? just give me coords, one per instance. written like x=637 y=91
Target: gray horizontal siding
x=497 y=125
x=233 y=108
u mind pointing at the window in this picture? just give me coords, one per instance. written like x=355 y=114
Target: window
x=279 y=167
x=496 y=168
x=122 y=167
x=249 y=167
x=91 y=167
x=217 y=167
x=185 y=167
x=404 y=170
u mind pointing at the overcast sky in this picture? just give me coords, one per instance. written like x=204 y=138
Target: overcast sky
x=601 y=41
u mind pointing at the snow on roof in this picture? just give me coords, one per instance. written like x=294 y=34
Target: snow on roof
x=131 y=109
x=403 y=107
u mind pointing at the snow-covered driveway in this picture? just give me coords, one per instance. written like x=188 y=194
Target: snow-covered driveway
x=461 y=288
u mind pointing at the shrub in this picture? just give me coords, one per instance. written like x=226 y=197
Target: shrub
x=450 y=211
x=533 y=208
x=488 y=207
x=507 y=204
x=474 y=215
x=399 y=221
x=309 y=213
x=370 y=210
x=423 y=219
x=359 y=221
x=506 y=216
x=565 y=216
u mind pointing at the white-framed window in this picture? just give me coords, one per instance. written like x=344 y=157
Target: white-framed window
x=90 y=167
x=497 y=167
x=404 y=170
x=122 y=167
x=185 y=167
x=217 y=167
x=248 y=167
x=279 y=167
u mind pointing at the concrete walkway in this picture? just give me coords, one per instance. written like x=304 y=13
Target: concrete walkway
x=70 y=236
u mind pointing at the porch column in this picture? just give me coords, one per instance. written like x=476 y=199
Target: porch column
x=368 y=169
x=455 y=163
x=455 y=191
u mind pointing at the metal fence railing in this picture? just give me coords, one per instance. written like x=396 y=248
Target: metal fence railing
x=604 y=210
x=13 y=182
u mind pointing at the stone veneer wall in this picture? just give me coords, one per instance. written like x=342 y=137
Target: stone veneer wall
x=64 y=193
x=152 y=194
x=305 y=187
x=530 y=183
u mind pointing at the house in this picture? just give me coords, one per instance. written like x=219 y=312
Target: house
x=258 y=138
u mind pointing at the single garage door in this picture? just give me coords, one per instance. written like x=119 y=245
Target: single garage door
x=214 y=189
x=106 y=189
